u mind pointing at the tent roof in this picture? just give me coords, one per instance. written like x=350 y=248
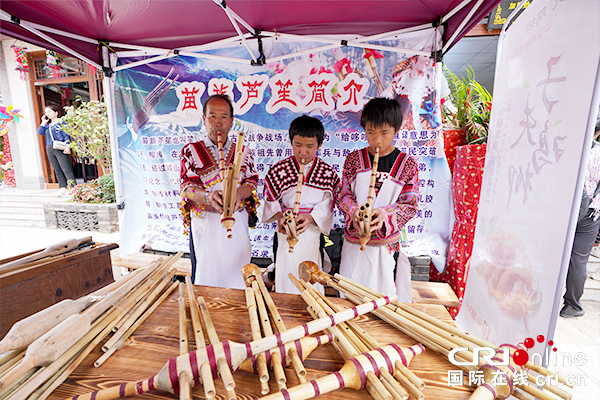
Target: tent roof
x=180 y=23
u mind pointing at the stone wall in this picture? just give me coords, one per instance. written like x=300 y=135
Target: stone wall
x=82 y=217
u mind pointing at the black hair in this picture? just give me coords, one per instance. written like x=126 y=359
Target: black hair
x=218 y=96
x=380 y=111
x=306 y=126
x=54 y=108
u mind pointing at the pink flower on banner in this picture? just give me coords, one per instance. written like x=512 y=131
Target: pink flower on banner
x=342 y=66
x=374 y=53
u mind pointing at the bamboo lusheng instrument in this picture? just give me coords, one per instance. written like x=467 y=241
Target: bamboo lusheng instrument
x=290 y=222
x=349 y=344
x=59 y=339
x=353 y=374
x=442 y=338
x=129 y=320
x=185 y=379
x=229 y=183
x=408 y=379
x=53 y=373
x=221 y=361
x=235 y=353
x=52 y=250
x=251 y=273
x=25 y=331
x=366 y=210
x=205 y=372
x=261 y=362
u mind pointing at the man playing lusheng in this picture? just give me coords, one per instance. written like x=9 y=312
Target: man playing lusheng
x=395 y=203
x=316 y=202
x=216 y=260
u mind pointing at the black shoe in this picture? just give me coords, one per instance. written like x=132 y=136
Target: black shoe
x=569 y=312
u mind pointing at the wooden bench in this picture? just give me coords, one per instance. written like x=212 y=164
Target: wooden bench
x=423 y=292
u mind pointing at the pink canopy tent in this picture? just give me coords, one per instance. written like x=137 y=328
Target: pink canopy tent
x=157 y=27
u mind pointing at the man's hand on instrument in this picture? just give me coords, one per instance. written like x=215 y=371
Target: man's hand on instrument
x=302 y=222
x=215 y=199
x=376 y=220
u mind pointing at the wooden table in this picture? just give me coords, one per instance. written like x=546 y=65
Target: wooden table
x=422 y=292
x=156 y=341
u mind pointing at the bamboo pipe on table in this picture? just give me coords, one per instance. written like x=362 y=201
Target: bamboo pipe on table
x=366 y=210
x=185 y=379
x=206 y=376
x=48 y=347
x=487 y=391
x=353 y=374
x=276 y=358
x=290 y=222
x=346 y=349
x=251 y=272
x=52 y=250
x=121 y=342
x=222 y=362
x=237 y=352
x=230 y=186
x=27 y=330
x=350 y=345
x=261 y=362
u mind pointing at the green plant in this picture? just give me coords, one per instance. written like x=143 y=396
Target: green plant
x=87 y=125
x=469 y=107
x=101 y=190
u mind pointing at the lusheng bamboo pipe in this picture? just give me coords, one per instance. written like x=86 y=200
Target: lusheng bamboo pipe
x=185 y=384
x=251 y=272
x=290 y=222
x=366 y=210
x=353 y=374
x=362 y=342
x=59 y=339
x=261 y=362
x=27 y=330
x=344 y=345
x=405 y=376
x=444 y=341
x=121 y=342
x=52 y=250
x=230 y=186
x=206 y=377
x=238 y=352
x=222 y=364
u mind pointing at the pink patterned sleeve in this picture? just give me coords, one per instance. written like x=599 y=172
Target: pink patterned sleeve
x=405 y=208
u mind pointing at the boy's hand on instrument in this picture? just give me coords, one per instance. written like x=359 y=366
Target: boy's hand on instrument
x=215 y=199
x=355 y=219
x=376 y=220
x=303 y=221
x=280 y=227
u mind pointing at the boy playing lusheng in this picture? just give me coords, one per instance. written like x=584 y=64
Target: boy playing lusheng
x=316 y=203
x=395 y=203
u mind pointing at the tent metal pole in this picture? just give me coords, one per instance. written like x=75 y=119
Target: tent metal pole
x=394 y=33
x=138 y=53
x=462 y=25
x=213 y=45
x=388 y=48
x=144 y=62
x=241 y=20
x=237 y=28
x=63 y=33
x=28 y=25
x=301 y=53
x=214 y=57
x=109 y=95
x=455 y=10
